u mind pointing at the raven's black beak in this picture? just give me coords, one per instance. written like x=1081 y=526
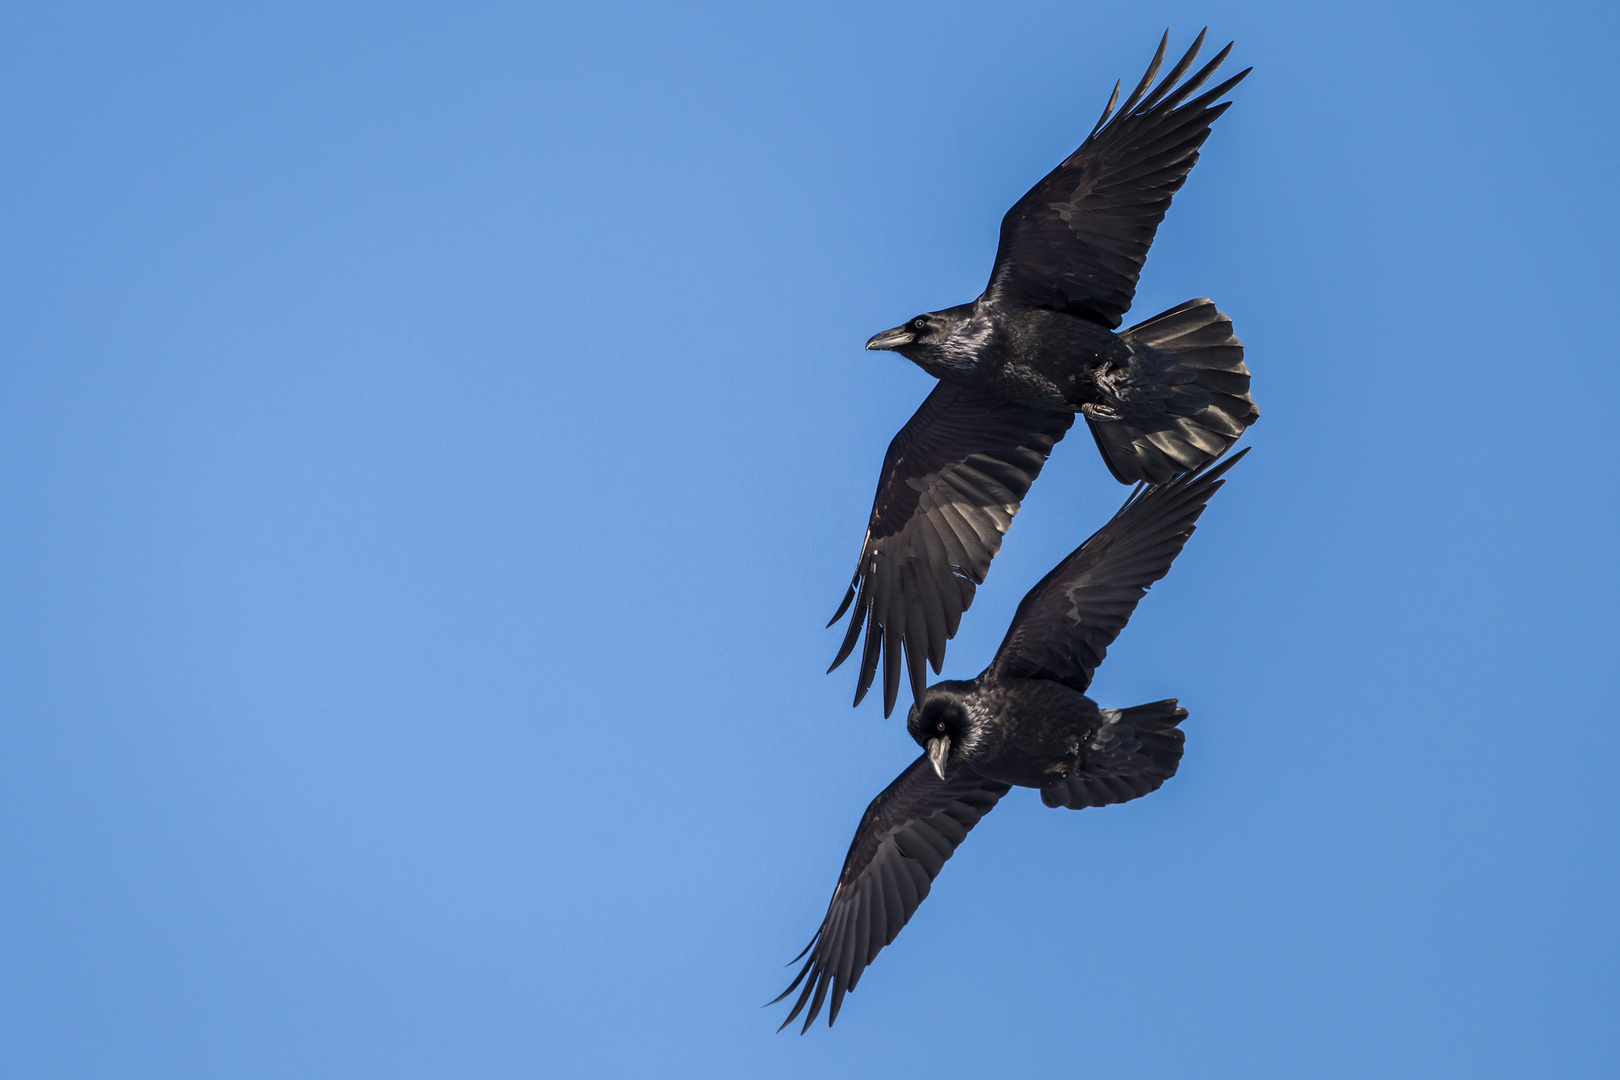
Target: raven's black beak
x=892 y=339
x=937 y=749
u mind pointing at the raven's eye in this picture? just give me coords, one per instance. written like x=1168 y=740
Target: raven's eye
x=921 y=324
x=940 y=726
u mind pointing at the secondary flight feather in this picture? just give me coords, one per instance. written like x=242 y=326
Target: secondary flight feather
x=1036 y=348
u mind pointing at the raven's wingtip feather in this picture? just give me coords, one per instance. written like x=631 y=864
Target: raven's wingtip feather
x=1108 y=109
x=849 y=598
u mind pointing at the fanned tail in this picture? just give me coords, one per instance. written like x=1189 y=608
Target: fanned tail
x=1134 y=752
x=1199 y=337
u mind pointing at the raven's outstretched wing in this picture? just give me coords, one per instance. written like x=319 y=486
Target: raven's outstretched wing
x=1063 y=627
x=951 y=483
x=903 y=840
x=1077 y=240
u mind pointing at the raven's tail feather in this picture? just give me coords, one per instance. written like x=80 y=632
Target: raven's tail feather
x=1134 y=752
x=1197 y=335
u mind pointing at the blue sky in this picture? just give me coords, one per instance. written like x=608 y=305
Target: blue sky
x=433 y=437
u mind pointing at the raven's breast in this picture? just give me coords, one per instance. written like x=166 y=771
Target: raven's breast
x=1049 y=360
x=1045 y=729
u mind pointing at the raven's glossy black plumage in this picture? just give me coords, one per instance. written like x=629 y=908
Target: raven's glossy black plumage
x=1024 y=721
x=1037 y=347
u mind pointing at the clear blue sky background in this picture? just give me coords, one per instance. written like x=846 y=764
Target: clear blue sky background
x=433 y=437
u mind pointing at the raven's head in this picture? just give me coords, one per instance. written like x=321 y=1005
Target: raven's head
x=945 y=723
x=939 y=342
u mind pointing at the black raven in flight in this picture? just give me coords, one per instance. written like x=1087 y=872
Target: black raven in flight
x=1014 y=366
x=1026 y=721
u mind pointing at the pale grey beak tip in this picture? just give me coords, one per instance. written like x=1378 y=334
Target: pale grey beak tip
x=891 y=339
